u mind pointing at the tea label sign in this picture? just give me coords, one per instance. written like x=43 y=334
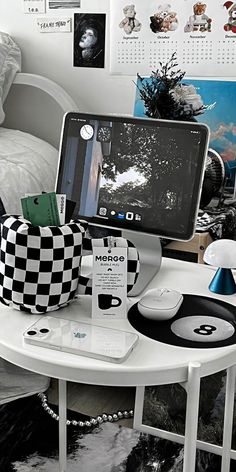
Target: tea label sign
x=34 y=6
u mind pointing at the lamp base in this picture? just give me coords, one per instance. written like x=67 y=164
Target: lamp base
x=223 y=282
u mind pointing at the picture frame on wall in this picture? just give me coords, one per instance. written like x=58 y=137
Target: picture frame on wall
x=89 y=40
x=56 y=4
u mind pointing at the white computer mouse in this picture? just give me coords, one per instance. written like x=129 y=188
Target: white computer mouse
x=160 y=304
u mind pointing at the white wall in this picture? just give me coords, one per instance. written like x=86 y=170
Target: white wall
x=51 y=54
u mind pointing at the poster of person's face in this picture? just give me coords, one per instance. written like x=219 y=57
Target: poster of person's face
x=89 y=39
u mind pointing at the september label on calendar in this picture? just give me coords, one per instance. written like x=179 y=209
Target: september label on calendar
x=203 y=34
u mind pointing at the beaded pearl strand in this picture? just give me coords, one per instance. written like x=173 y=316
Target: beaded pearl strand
x=103 y=418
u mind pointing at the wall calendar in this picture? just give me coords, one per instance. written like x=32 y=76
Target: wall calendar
x=145 y=33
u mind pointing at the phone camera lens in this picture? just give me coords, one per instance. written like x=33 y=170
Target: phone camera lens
x=32 y=332
x=44 y=330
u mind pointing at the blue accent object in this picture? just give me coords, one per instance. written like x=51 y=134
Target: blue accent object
x=223 y=282
x=230 y=170
x=121 y=215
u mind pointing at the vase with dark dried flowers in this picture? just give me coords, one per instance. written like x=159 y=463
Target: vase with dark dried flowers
x=166 y=96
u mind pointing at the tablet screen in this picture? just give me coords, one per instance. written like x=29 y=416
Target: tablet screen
x=133 y=173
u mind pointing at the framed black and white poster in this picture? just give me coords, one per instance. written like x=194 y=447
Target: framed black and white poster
x=89 y=39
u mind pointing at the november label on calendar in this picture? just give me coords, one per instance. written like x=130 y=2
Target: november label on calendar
x=203 y=34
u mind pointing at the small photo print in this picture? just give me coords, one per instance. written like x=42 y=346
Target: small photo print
x=55 y=4
x=89 y=39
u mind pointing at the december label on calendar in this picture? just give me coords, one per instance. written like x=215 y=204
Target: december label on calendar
x=203 y=34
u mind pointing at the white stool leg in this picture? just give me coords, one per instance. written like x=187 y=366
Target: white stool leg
x=191 y=421
x=62 y=426
x=228 y=418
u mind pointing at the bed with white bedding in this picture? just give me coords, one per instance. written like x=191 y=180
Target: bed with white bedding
x=31 y=113
x=27 y=165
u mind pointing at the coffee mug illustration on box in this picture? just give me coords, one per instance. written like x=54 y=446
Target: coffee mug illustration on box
x=106 y=301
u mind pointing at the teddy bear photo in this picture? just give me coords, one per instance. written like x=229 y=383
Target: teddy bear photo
x=199 y=21
x=231 y=24
x=130 y=23
x=164 y=19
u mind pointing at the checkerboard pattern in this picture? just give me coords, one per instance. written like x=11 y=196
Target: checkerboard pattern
x=133 y=263
x=39 y=266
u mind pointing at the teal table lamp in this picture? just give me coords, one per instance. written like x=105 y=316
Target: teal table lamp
x=222 y=254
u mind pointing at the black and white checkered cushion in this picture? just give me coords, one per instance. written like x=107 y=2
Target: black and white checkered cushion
x=133 y=264
x=39 y=266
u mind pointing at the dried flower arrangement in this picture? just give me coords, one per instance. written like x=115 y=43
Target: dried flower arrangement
x=165 y=96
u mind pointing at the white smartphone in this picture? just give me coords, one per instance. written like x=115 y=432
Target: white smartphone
x=84 y=339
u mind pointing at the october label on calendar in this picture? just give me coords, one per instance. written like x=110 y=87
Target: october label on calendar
x=203 y=34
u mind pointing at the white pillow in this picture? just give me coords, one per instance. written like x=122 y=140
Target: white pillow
x=10 y=64
x=27 y=165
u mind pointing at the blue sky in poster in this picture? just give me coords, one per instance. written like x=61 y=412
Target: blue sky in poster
x=221 y=119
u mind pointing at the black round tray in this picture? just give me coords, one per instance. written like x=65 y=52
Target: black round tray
x=193 y=305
